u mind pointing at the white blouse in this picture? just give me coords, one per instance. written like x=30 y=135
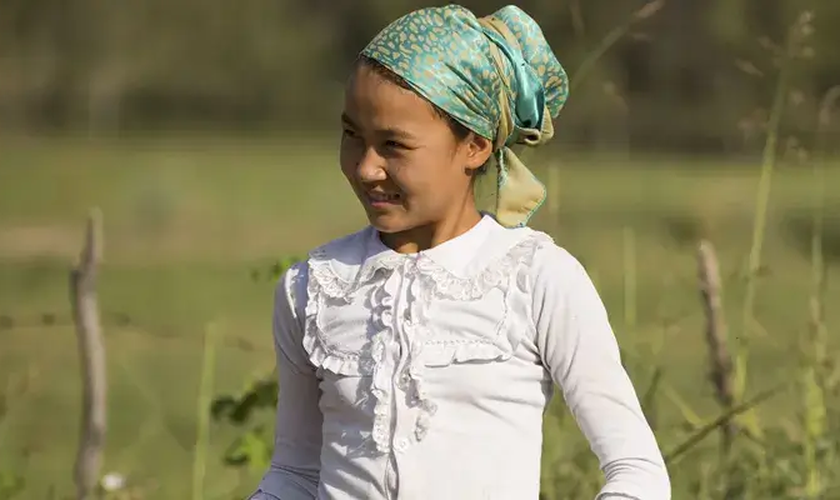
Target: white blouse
x=425 y=376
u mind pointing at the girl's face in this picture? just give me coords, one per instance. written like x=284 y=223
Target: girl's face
x=402 y=159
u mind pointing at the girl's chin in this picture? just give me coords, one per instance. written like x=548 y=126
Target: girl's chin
x=390 y=222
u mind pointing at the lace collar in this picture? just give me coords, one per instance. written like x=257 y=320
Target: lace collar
x=350 y=262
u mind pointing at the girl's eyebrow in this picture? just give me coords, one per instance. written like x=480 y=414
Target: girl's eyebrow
x=346 y=120
x=390 y=132
x=396 y=133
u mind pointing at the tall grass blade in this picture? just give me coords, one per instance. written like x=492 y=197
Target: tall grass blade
x=205 y=397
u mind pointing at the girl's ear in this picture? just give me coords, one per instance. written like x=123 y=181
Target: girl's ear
x=479 y=150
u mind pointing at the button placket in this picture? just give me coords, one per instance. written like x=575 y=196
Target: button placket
x=402 y=427
x=404 y=379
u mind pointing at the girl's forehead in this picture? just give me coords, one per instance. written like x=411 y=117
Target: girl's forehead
x=370 y=96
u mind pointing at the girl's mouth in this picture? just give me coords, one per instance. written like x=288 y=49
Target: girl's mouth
x=382 y=200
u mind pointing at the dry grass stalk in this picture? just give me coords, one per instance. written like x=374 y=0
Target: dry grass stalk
x=92 y=360
x=795 y=38
x=577 y=18
x=205 y=399
x=818 y=327
x=649 y=10
x=701 y=433
x=716 y=332
x=630 y=277
x=814 y=387
x=614 y=36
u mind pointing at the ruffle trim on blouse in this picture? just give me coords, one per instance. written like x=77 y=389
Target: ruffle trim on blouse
x=433 y=281
x=325 y=284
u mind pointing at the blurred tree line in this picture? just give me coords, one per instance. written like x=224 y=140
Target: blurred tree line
x=696 y=76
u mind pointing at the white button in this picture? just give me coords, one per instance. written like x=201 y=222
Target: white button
x=402 y=444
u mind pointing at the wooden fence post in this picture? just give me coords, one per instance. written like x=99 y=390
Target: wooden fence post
x=83 y=300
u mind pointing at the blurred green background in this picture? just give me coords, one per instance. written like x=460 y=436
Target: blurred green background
x=206 y=132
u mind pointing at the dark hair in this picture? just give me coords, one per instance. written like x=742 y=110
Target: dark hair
x=458 y=129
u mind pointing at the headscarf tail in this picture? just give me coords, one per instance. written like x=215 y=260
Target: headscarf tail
x=519 y=194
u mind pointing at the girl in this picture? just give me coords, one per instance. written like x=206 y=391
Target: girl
x=416 y=356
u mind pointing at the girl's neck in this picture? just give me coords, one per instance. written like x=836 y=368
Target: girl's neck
x=431 y=235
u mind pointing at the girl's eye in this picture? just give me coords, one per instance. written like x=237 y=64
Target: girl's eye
x=394 y=145
x=349 y=133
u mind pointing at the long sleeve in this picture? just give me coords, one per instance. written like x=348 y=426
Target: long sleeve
x=579 y=349
x=295 y=465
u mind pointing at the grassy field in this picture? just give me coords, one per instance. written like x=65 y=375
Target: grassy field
x=186 y=222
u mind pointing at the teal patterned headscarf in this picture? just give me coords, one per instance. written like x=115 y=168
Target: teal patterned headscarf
x=496 y=75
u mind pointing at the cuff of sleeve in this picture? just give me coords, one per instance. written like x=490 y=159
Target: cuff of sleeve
x=278 y=484
x=630 y=491
x=614 y=495
x=261 y=495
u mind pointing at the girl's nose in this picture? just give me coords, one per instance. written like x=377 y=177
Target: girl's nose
x=371 y=167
